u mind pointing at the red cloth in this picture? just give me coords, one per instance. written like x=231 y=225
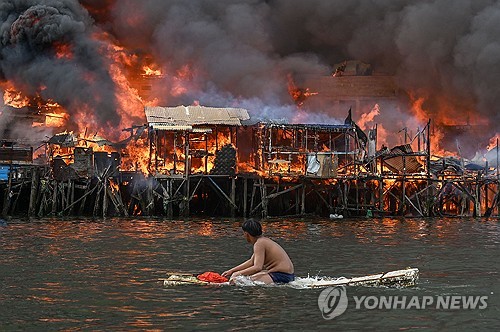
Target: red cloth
x=212 y=277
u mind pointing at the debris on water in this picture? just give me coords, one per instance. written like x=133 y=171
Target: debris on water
x=336 y=216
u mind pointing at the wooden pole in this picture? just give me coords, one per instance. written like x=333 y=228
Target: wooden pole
x=245 y=196
x=72 y=196
x=233 y=196
x=34 y=192
x=170 y=208
x=6 y=199
x=105 y=198
x=187 y=190
x=303 y=199
x=265 y=211
x=54 y=197
x=478 y=195
x=84 y=200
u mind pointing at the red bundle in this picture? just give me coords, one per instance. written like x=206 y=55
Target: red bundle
x=212 y=277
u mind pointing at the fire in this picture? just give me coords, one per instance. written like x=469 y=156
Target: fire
x=115 y=187
x=368 y=117
x=493 y=142
x=299 y=95
x=63 y=51
x=135 y=157
x=149 y=71
x=422 y=114
x=15 y=98
x=55 y=120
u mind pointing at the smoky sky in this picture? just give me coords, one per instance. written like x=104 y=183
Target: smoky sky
x=31 y=34
x=243 y=50
x=246 y=48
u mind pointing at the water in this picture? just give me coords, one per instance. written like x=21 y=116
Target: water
x=103 y=275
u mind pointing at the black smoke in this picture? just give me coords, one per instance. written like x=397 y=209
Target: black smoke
x=242 y=51
x=33 y=32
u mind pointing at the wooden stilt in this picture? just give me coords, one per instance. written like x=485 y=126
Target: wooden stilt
x=72 y=197
x=7 y=195
x=170 y=208
x=254 y=191
x=303 y=200
x=34 y=192
x=105 y=198
x=54 y=197
x=84 y=198
x=265 y=211
x=233 y=196
x=245 y=196
x=97 y=200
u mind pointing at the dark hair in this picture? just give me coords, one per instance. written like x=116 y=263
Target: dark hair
x=252 y=227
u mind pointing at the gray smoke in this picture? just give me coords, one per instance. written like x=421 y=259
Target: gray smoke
x=31 y=32
x=246 y=48
x=240 y=51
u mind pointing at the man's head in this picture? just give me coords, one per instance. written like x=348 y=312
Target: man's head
x=252 y=227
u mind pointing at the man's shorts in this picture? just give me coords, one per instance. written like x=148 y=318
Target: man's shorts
x=281 y=277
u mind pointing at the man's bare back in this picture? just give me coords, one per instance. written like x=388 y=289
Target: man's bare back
x=269 y=262
x=275 y=257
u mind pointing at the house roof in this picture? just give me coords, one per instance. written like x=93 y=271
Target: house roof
x=183 y=117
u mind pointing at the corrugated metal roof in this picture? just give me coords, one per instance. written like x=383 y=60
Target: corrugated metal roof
x=202 y=130
x=196 y=115
x=165 y=126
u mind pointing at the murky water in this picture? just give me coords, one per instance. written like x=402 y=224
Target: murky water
x=103 y=275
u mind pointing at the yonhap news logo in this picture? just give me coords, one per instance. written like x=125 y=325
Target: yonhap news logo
x=333 y=302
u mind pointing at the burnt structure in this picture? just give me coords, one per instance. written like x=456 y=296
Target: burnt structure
x=216 y=162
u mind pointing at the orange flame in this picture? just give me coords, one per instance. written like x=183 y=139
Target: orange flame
x=299 y=95
x=149 y=71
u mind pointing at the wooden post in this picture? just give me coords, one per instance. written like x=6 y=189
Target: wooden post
x=187 y=189
x=245 y=196
x=97 y=199
x=303 y=199
x=34 y=191
x=105 y=198
x=82 y=204
x=54 y=197
x=254 y=189
x=187 y=165
x=233 y=196
x=297 y=200
x=72 y=196
x=170 y=209
x=263 y=189
x=478 y=195
x=150 y=198
x=6 y=199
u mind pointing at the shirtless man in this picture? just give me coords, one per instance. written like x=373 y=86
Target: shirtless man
x=269 y=262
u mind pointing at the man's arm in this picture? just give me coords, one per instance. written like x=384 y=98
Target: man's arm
x=257 y=265
x=242 y=266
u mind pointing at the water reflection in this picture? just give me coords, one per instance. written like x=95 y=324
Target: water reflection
x=65 y=275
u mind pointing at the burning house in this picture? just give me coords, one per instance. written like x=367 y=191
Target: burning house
x=194 y=139
x=307 y=150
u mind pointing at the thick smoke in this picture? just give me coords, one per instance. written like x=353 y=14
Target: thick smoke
x=242 y=51
x=33 y=34
x=440 y=50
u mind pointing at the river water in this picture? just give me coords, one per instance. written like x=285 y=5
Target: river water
x=103 y=275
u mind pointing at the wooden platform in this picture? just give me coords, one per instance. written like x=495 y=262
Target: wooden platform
x=398 y=278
